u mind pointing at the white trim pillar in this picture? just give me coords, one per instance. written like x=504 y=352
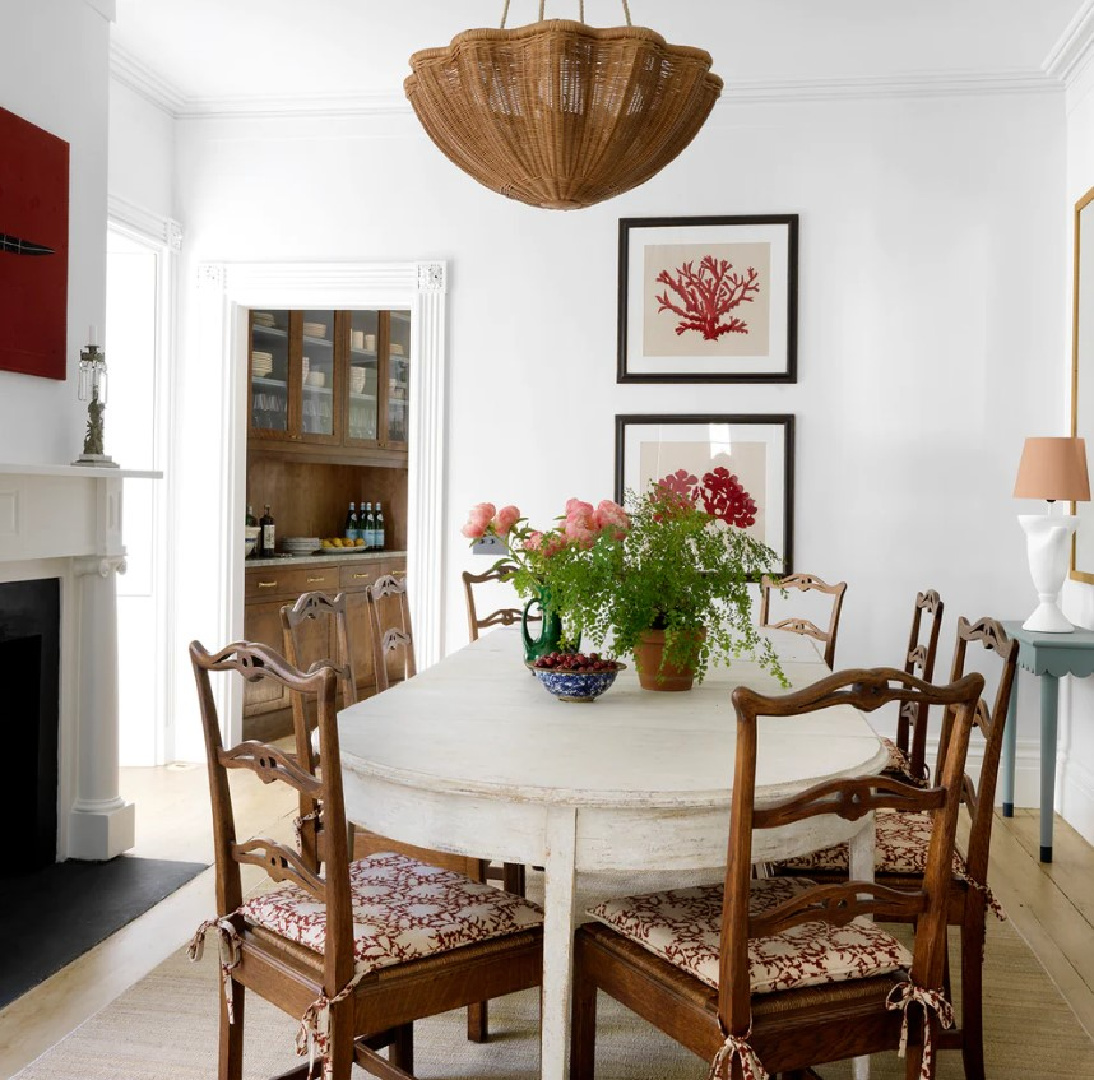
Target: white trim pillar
x=101 y=823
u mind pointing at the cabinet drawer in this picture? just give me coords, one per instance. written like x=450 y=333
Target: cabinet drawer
x=357 y=575
x=274 y=583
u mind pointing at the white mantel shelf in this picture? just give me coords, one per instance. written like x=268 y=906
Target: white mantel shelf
x=65 y=521
x=89 y=471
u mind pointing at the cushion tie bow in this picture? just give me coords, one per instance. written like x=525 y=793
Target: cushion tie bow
x=230 y=956
x=900 y=997
x=313 y=1038
x=737 y=1047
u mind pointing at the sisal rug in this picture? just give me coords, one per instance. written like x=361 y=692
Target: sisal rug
x=165 y=1028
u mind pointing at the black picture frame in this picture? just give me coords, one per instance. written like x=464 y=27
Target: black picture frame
x=780 y=325
x=781 y=479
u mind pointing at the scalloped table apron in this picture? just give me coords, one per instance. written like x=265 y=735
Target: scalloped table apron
x=629 y=794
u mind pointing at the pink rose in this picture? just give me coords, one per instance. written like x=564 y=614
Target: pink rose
x=579 y=529
x=576 y=507
x=610 y=514
x=553 y=545
x=478 y=520
x=533 y=541
x=505 y=519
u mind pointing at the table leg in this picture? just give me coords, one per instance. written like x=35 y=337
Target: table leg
x=1010 y=740
x=861 y=862
x=1050 y=696
x=558 y=940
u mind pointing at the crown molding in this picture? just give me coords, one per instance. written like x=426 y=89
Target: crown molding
x=919 y=84
x=145 y=223
x=1068 y=56
x=305 y=105
x=135 y=74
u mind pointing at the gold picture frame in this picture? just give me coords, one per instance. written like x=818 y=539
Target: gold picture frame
x=1082 y=380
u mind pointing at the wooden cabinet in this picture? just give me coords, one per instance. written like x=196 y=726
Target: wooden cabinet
x=267 y=713
x=323 y=383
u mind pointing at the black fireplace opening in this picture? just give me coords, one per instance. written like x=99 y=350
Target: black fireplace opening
x=30 y=667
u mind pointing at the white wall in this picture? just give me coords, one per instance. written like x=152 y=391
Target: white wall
x=142 y=152
x=1075 y=783
x=54 y=74
x=931 y=280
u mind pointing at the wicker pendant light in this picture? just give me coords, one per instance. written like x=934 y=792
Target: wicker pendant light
x=560 y=114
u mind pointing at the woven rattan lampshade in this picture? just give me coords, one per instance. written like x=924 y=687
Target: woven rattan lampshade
x=560 y=114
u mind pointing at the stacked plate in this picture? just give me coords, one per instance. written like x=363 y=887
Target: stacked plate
x=315 y=329
x=261 y=364
x=300 y=545
x=263 y=318
x=358 y=377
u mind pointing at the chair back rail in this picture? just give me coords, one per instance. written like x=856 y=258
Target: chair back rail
x=320 y=795
x=795 y=624
x=503 y=616
x=390 y=634
x=867 y=690
x=911 y=731
x=979 y=798
x=316 y=606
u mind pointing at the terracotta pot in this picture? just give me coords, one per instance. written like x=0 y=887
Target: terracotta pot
x=651 y=675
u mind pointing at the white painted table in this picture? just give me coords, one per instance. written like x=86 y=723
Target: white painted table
x=473 y=756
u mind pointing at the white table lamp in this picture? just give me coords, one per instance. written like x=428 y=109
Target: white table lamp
x=1052 y=468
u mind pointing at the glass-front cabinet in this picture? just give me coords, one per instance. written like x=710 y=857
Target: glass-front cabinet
x=334 y=378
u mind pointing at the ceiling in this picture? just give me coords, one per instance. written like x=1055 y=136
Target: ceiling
x=218 y=51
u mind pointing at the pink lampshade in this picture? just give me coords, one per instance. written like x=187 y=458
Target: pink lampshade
x=1053 y=468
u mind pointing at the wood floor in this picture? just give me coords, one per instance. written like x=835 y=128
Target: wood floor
x=1052 y=907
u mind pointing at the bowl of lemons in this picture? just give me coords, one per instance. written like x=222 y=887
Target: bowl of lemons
x=340 y=545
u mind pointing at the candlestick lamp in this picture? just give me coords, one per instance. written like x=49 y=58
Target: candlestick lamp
x=1053 y=469
x=92 y=389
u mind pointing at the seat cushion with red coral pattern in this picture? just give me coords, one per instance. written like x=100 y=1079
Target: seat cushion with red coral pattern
x=901 y=848
x=682 y=926
x=402 y=910
x=899 y=765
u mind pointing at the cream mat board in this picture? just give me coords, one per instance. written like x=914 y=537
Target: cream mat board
x=165 y=1028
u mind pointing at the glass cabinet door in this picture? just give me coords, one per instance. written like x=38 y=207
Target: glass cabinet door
x=317 y=371
x=363 y=413
x=270 y=372
x=398 y=378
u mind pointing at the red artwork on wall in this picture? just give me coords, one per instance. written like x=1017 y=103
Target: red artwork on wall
x=33 y=249
x=707 y=296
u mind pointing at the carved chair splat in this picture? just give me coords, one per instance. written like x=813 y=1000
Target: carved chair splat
x=804 y=583
x=390 y=634
x=911 y=732
x=504 y=616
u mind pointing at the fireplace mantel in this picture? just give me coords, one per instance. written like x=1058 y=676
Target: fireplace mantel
x=64 y=521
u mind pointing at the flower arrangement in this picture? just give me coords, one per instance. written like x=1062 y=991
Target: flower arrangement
x=677 y=560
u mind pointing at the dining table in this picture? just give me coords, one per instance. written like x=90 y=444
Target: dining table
x=627 y=794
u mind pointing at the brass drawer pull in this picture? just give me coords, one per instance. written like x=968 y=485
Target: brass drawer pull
x=267 y=584
x=313 y=580
x=358 y=577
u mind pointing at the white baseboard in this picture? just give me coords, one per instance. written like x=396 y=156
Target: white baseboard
x=1027 y=769
x=1076 y=798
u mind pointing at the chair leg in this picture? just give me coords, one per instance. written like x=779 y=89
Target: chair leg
x=401 y=1053
x=514 y=878
x=477 y=1027
x=582 y=1022
x=340 y=1042
x=230 y=1065
x=972 y=987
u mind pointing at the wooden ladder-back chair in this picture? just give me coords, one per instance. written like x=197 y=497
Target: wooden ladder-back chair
x=355 y=974
x=504 y=616
x=391 y=632
x=902 y=839
x=782 y=975
x=805 y=583
x=908 y=752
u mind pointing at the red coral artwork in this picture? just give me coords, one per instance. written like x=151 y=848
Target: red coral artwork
x=705 y=297
x=33 y=248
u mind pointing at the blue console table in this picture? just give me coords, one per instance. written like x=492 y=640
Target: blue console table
x=1048 y=656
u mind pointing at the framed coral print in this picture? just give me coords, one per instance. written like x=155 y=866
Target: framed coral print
x=757 y=449
x=33 y=248
x=708 y=299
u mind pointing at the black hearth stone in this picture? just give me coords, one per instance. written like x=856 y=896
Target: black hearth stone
x=53 y=916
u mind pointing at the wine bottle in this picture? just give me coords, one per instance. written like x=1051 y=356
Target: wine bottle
x=379 y=530
x=266 y=543
x=251 y=521
x=368 y=524
x=352 y=529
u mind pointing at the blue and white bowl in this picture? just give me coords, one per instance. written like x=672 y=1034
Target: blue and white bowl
x=580 y=686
